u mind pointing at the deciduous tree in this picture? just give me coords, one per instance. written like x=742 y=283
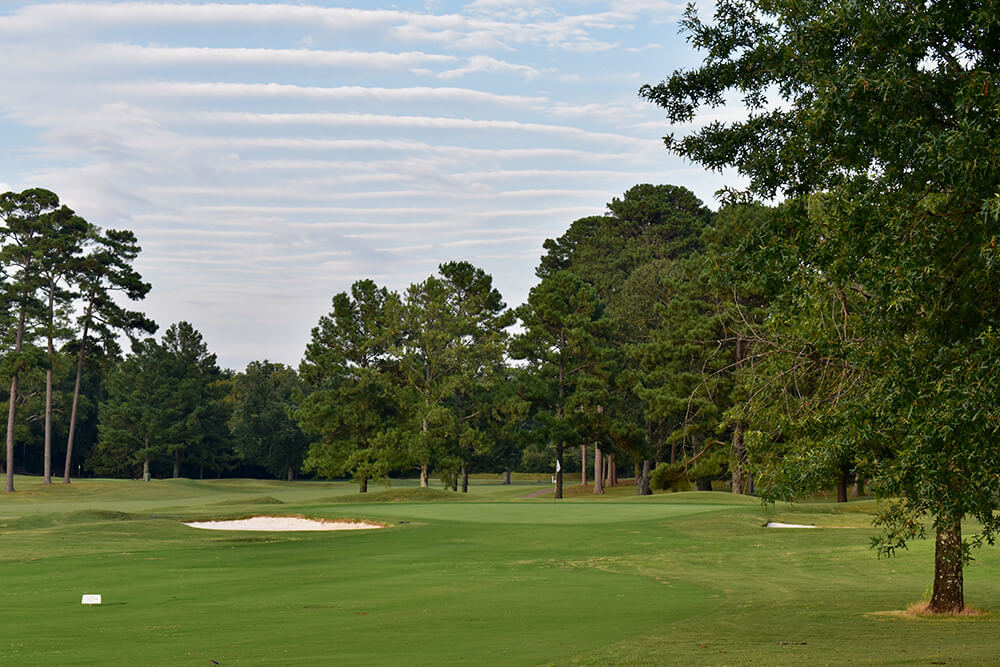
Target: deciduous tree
x=884 y=114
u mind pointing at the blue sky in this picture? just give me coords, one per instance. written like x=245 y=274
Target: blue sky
x=269 y=155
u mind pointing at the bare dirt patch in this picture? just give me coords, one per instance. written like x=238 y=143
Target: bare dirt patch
x=922 y=610
x=284 y=523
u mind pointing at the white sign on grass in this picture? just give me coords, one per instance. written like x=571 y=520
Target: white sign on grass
x=91 y=599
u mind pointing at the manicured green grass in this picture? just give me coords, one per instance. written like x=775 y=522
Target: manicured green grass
x=500 y=577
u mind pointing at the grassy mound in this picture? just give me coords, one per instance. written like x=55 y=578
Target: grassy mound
x=256 y=500
x=399 y=496
x=94 y=516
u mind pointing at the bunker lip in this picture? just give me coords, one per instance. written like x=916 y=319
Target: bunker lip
x=284 y=523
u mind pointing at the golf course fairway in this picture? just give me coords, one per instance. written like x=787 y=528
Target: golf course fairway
x=502 y=576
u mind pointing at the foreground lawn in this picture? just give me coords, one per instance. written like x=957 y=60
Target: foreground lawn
x=498 y=577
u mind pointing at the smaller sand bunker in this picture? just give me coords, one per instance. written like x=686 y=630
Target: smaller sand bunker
x=283 y=523
x=778 y=524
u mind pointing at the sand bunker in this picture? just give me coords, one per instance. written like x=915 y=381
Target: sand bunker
x=778 y=524
x=282 y=523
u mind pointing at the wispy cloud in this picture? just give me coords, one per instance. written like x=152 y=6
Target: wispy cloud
x=233 y=90
x=269 y=154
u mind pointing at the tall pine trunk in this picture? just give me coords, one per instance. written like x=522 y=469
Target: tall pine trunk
x=9 y=485
x=643 y=480
x=465 y=477
x=76 y=392
x=177 y=463
x=741 y=478
x=424 y=472
x=47 y=467
x=583 y=465
x=291 y=473
x=559 y=474
x=47 y=456
x=506 y=476
x=598 y=471
x=949 y=593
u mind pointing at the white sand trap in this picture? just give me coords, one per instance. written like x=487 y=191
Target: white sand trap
x=282 y=523
x=778 y=524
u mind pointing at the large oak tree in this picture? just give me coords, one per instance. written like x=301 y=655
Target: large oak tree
x=889 y=110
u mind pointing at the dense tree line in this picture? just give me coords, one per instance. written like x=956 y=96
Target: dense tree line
x=426 y=381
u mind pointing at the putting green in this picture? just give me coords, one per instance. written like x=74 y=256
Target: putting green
x=565 y=513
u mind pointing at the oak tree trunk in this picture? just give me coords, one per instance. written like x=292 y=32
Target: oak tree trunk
x=842 y=484
x=145 y=469
x=363 y=485
x=949 y=593
x=424 y=476
x=506 y=476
